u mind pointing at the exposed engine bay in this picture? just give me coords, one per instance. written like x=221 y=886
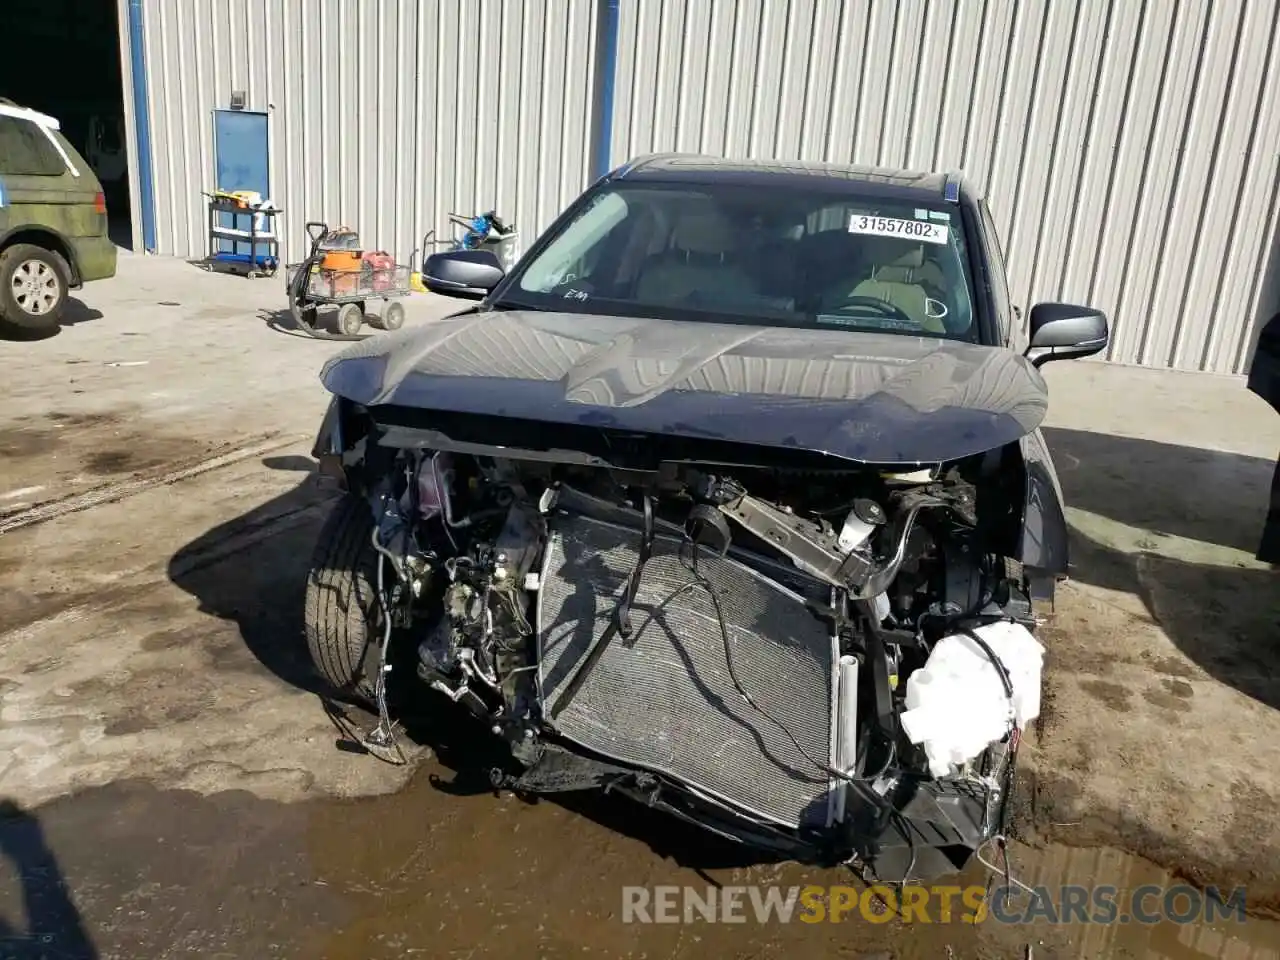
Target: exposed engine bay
x=830 y=663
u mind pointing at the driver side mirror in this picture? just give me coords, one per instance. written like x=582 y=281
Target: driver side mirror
x=1064 y=331
x=469 y=274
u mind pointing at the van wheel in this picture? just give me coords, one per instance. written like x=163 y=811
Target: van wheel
x=33 y=286
x=343 y=615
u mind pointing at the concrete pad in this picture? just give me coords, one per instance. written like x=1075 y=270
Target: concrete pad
x=134 y=650
x=159 y=355
x=1163 y=686
x=1203 y=410
x=126 y=651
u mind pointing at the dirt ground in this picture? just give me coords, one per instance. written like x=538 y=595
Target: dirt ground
x=172 y=785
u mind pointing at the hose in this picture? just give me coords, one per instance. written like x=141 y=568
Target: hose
x=879 y=581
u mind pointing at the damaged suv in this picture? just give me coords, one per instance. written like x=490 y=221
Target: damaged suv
x=730 y=497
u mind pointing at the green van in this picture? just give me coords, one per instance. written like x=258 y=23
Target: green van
x=53 y=220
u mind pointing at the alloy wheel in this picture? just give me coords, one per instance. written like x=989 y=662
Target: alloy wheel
x=35 y=287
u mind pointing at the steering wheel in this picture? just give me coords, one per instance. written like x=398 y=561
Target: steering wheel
x=882 y=307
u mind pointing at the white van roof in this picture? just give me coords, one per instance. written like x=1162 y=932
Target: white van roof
x=10 y=109
x=42 y=120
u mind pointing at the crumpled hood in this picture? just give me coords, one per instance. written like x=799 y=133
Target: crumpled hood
x=877 y=398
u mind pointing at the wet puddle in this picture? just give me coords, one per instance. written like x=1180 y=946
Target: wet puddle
x=1137 y=909
x=433 y=875
x=444 y=869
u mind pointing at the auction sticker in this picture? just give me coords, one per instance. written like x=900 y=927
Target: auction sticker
x=892 y=227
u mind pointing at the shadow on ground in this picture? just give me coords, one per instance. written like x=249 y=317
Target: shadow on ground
x=164 y=873
x=283 y=322
x=233 y=269
x=1224 y=619
x=1215 y=605
x=52 y=928
x=1205 y=495
x=252 y=571
x=75 y=311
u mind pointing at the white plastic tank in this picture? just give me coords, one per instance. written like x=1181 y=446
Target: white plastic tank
x=956 y=704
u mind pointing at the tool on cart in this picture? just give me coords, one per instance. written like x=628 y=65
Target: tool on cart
x=339 y=271
x=483 y=231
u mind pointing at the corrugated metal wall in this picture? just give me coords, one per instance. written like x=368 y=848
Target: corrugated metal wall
x=1130 y=148
x=385 y=114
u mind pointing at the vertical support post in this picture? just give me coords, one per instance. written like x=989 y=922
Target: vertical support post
x=606 y=68
x=142 y=125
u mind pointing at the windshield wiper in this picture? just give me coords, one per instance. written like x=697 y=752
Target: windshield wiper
x=508 y=304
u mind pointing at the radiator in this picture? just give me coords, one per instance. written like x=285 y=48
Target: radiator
x=663 y=699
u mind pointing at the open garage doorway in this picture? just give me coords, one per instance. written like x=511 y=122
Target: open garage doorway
x=62 y=57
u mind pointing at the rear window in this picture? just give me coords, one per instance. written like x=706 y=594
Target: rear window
x=25 y=151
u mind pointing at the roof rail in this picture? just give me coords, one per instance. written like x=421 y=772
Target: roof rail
x=635 y=163
x=621 y=171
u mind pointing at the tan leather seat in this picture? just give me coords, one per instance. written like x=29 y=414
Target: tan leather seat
x=899 y=275
x=700 y=266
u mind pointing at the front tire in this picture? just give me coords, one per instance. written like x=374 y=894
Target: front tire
x=33 y=286
x=343 y=615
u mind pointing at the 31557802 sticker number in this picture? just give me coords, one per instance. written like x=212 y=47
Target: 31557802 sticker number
x=894 y=227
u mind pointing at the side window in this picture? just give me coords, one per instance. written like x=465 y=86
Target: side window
x=999 y=279
x=25 y=151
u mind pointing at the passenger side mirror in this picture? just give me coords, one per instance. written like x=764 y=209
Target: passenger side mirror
x=469 y=274
x=1064 y=331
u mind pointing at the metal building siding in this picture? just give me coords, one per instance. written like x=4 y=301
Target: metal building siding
x=385 y=114
x=130 y=121
x=1130 y=149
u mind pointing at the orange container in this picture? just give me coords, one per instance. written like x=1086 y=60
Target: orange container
x=341 y=260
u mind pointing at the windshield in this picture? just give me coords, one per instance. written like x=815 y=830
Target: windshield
x=730 y=253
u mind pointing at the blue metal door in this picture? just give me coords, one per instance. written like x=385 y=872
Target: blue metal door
x=240 y=150
x=241 y=163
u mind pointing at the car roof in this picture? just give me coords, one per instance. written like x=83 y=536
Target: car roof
x=864 y=181
x=10 y=109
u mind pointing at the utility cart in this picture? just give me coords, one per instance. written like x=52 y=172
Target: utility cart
x=340 y=273
x=242 y=233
